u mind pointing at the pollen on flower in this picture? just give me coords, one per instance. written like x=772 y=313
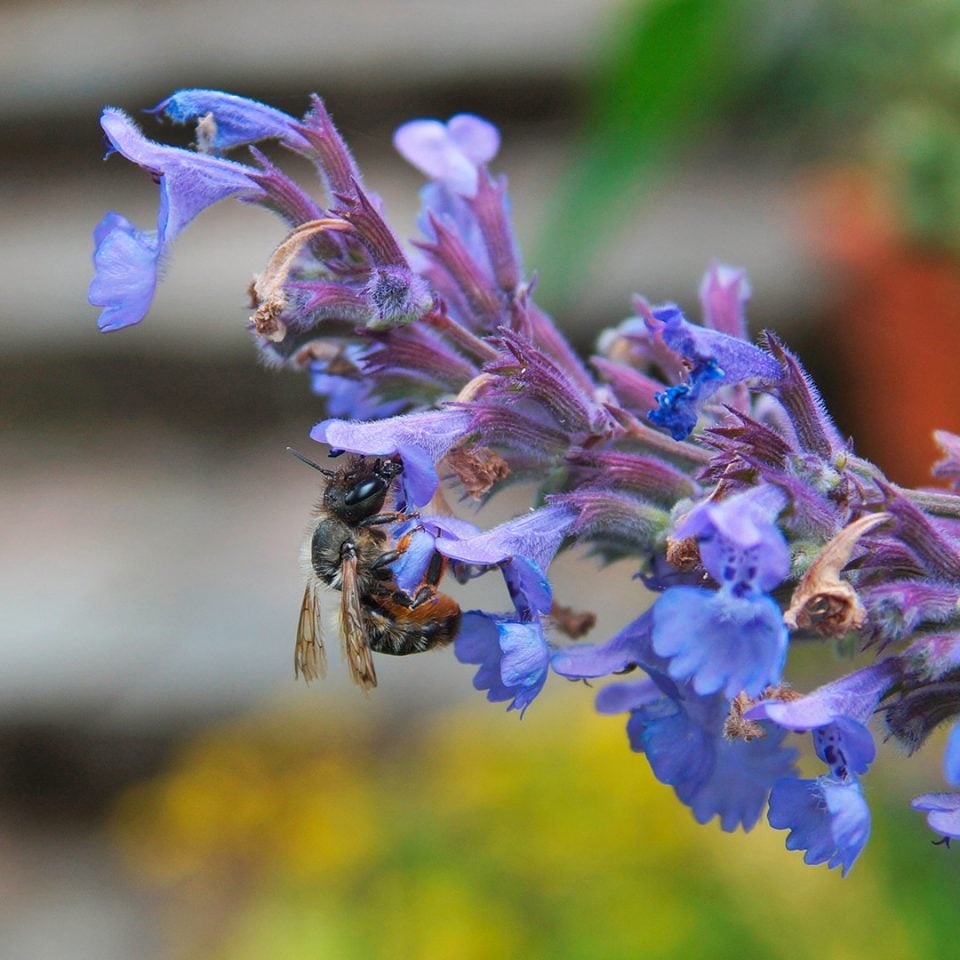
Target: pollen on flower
x=738 y=727
x=735 y=726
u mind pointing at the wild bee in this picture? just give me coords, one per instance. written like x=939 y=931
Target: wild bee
x=348 y=549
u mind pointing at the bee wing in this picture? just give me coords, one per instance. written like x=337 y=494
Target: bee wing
x=355 y=649
x=309 y=657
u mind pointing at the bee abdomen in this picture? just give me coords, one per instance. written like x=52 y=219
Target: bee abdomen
x=398 y=631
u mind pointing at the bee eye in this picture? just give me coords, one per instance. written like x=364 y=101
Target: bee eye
x=363 y=491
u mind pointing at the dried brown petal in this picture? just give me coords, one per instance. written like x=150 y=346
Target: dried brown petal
x=268 y=290
x=478 y=468
x=574 y=623
x=683 y=554
x=822 y=601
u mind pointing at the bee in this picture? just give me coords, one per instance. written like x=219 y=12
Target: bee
x=348 y=549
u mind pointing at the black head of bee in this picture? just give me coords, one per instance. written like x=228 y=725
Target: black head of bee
x=359 y=491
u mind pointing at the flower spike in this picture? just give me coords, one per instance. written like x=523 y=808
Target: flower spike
x=706 y=463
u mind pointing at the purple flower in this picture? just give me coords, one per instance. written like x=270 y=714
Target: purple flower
x=853 y=697
x=845 y=746
x=449 y=152
x=464 y=214
x=943 y=809
x=419 y=439
x=740 y=545
x=125 y=265
x=720 y=641
x=826 y=817
x=350 y=396
x=683 y=738
x=234 y=120
x=513 y=657
x=440 y=358
x=630 y=647
x=724 y=293
x=716 y=360
x=127 y=259
x=943 y=812
x=511 y=649
x=682 y=733
x=732 y=639
x=535 y=536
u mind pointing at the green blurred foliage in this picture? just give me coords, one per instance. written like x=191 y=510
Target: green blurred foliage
x=830 y=81
x=469 y=834
x=666 y=68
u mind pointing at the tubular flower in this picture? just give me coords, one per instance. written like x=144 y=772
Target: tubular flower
x=705 y=460
x=734 y=638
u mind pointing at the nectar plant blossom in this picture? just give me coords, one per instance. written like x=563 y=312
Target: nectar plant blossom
x=704 y=458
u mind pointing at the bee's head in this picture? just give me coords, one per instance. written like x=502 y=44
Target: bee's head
x=359 y=490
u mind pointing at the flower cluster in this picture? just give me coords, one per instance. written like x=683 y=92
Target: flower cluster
x=708 y=460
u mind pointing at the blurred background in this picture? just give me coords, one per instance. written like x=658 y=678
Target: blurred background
x=166 y=789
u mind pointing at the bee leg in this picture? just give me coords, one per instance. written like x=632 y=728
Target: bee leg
x=388 y=556
x=385 y=559
x=428 y=590
x=382 y=518
x=422 y=596
x=435 y=570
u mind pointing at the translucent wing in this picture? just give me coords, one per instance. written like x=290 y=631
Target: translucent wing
x=355 y=649
x=309 y=658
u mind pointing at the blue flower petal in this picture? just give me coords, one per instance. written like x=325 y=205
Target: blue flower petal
x=126 y=259
x=716 y=360
x=630 y=647
x=238 y=120
x=679 y=750
x=724 y=293
x=951 y=757
x=740 y=781
x=624 y=697
x=449 y=152
x=420 y=439
x=740 y=543
x=528 y=585
x=536 y=535
x=845 y=746
x=720 y=641
x=526 y=656
x=855 y=696
x=410 y=569
x=738 y=359
x=827 y=818
x=513 y=657
x=477 y=643
x=125 y=272
x=189 y=181
x=943 y=812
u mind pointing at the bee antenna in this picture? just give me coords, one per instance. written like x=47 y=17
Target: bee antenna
x=310 y=463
